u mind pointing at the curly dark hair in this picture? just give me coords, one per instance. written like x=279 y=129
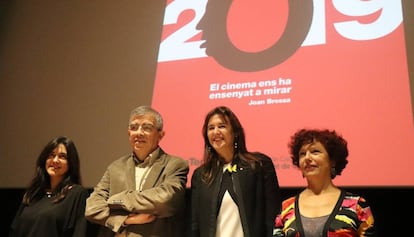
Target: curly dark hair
x=335 y=145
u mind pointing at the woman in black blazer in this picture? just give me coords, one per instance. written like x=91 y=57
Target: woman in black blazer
x=234 y=192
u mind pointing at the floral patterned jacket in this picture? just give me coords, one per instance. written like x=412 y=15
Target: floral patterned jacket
x=351 y=217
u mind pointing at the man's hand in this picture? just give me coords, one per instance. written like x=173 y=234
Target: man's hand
x=139 y=218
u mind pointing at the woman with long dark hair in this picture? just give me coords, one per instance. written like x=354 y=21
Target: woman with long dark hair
x=53 y=204
x=234 y=192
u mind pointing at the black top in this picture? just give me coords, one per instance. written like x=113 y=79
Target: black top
x=256 y=194
x=47 y=219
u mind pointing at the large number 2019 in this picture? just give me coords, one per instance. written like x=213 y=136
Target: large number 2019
x=177 y=47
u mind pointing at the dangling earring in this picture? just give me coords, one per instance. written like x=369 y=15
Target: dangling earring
x=235 y=145
x=333 y=172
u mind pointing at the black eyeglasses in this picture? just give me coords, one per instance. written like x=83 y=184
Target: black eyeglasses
x=146 y=127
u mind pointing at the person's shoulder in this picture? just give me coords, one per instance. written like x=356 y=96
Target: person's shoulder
x=172 y=162
x=176 y=160
x=262 y=156
x=77 y=188
x=350 y=195
x=351 y=198
x=199 y=169
x=121 y=160
x=290 y=201
x=173 y=158
x=196 y=176
x=354 y=201
x=264 y=160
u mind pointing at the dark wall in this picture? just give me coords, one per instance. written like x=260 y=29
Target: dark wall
x=392 y=208
x=74 y=68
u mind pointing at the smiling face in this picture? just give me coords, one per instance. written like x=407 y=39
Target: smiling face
x=314 y=161
x=57 y=164
x=144 y=136
x=221 y=137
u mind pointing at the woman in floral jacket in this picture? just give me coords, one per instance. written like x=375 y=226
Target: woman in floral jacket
x=322 y=209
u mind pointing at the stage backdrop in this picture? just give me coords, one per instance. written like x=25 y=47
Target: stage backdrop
x=286 y=65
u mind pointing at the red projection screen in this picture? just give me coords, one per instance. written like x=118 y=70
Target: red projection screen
x=285 y=65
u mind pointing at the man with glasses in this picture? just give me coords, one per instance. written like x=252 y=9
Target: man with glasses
x=142 y=193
